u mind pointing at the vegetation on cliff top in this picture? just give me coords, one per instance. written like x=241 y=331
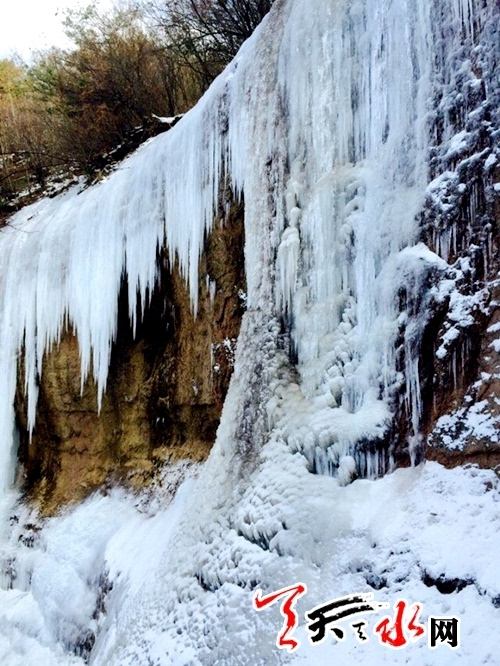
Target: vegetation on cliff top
x=62 y=116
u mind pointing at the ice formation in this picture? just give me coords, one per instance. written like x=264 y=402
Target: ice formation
x=340 y=148
x=326 y=123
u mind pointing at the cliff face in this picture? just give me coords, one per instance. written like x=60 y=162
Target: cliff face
x=454 y=308
x=165 y=389
x=421 y=328
x=463 y=422
x=167 y=384
x=461 y=223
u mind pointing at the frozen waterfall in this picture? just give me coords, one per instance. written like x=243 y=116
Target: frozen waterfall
x=334 y=123
x=333 y=127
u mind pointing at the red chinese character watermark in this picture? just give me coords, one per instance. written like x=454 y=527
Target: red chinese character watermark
x=394 y=635
x=284 y=639
x=326 y=620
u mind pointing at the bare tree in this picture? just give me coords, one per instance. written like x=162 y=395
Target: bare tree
x=207 y=34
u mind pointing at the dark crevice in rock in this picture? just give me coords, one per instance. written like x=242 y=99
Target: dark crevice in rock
x=445 y=585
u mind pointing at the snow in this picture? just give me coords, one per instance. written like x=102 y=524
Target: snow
x=322 y=124
x=490 y=162
x=458 y=144
x=65 y=572
x=168 y=121
x=391 y=537
x=467 y=424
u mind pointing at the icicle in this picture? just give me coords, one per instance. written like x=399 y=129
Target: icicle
x=287 y=265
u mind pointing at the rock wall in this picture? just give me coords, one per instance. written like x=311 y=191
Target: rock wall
x=461 y=223
x=165 y=391
x=457 y=306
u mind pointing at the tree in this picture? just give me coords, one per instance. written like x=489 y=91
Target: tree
x=117 y=75
x=26 y=140
x=207 y=34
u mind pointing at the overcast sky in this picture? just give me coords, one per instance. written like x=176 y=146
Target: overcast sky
x=27 y=25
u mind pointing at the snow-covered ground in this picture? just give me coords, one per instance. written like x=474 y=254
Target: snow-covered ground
x=427 y=535
x=64 y=580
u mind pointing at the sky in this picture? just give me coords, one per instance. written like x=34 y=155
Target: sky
x=30 y=25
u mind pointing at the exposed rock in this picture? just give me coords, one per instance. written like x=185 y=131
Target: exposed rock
x=165 y=388
x=459 y=363
x=468 y=427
